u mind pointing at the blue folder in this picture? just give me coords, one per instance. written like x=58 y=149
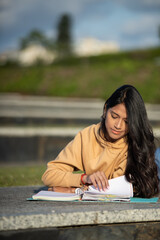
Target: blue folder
x=144 y=200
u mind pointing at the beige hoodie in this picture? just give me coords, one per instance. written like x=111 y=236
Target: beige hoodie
x=87 y=152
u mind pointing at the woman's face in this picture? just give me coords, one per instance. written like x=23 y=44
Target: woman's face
x=116 y=122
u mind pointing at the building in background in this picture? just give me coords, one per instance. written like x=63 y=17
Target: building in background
x=29 y=56
x=93 y=47
x=36 y=53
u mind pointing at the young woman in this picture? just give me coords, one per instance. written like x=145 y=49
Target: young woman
x=122 y=144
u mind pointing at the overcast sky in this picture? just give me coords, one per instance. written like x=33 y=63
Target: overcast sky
x=129 y=23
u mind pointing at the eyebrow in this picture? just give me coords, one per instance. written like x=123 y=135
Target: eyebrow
x=116 y=114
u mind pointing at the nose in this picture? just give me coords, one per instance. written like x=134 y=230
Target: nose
x=118 y=124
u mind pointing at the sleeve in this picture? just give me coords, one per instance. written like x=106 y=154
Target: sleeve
x=60 y=171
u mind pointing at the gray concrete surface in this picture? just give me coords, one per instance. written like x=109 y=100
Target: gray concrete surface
x=35 y=129
x=48 y=131
x=17 y=106
x=30 y=150
x=61 y=109
x=130 y=231
x=38 y=145
x=17 y=213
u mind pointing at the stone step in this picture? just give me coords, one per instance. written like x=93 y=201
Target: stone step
x=38 y=145
x=31 y=110
x=48 y=131
x=24 y=110
x=35 y=128
x=52 y=122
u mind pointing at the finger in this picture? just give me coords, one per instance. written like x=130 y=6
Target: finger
x=93 y=180
x=73 y=190
x=101 y=180
x=96 y=180
x=105 y=184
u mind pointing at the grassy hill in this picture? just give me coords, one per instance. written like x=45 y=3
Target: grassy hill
x=90 y=77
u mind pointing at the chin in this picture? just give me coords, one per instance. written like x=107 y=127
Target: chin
x=115 y=138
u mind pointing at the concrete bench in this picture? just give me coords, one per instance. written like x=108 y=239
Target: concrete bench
x=19 y=215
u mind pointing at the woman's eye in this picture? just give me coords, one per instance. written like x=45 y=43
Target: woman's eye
x=113 y=116
x=126 y=121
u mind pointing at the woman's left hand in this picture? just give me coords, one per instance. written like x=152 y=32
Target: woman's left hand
x=62 y=189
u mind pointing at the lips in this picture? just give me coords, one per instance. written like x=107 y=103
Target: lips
x=115 y=132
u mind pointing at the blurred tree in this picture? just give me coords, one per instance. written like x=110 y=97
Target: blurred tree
x=36 y=37
x=64 y=41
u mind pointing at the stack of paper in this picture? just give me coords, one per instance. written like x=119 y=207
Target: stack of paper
x=56 y=196
x=119 y=190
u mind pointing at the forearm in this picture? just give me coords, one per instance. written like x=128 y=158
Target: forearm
x=60 y=178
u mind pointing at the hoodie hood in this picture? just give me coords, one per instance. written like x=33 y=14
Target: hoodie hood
x=119 y=144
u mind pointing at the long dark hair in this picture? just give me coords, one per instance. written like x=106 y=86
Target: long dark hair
x=141 y=168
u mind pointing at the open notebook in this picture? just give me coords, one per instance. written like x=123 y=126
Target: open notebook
x=119 y=190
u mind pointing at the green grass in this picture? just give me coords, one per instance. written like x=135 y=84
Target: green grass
x=21 y=175
x=92 y=77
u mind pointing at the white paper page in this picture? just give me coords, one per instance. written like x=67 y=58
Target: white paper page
x=118 y=186
x=54 y=195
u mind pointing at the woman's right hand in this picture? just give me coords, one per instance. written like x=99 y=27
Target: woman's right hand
x=98 y=179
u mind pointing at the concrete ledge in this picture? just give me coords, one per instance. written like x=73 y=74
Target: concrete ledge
x=35 y=144
x=130 y=231
x=40 y=131
x=17 y=213
x=48 y=131
x=25 y=109
x=78 y=218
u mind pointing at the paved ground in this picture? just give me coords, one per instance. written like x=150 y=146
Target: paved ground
x=17 y=213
